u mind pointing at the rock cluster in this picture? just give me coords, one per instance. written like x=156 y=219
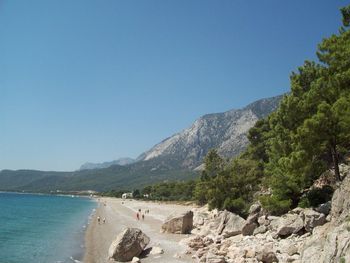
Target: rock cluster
x=330 y=243
x=300 y=236
x=216 y=224
x=259 y=238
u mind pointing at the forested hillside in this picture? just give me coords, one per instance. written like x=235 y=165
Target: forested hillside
x=114 y=177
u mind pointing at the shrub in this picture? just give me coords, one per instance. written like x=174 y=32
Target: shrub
x=316 y=196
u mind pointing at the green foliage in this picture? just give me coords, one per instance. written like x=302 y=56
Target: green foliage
x=136 y=194
x=346 y=15
x=214 y=165
x=258 y=137
x=200 y=192
x=311 y=127
x=114 y=193
x=228 y=185
x=316 y=196
x=275 y=205
x=171 y=191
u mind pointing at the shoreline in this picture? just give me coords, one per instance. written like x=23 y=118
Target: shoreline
x=120 y=214
x=51 y=194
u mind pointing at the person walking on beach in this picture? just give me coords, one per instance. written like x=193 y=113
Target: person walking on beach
x=98 y=220
x=138 y=216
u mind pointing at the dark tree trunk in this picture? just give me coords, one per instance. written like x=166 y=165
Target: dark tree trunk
x=335 y=159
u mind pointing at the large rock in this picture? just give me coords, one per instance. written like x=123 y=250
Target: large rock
x=181 y=223
x=289 y=224
x=313 y=219
x=252 y=221
x=230 y=224
x=249 y=228
x=128 y=244
x=201 y=215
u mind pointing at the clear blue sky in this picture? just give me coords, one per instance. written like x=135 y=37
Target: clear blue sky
x=96 y=80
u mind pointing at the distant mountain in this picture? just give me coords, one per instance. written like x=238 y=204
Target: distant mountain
x=120 y=161
x=225 y=132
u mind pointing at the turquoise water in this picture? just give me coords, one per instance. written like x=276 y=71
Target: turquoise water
x=42 y=228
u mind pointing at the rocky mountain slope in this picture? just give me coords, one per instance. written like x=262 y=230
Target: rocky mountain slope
x=120 y=161
x=224 y=131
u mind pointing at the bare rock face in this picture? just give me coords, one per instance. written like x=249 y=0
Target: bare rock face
x=223 y=131
x=337 y=245
x=128 y=244
x=178 y=223
x=341 y=202
x=328 y=244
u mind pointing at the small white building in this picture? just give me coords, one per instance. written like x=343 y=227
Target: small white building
x=127 y=195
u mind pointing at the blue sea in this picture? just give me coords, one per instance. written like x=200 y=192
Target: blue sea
x=42 y=228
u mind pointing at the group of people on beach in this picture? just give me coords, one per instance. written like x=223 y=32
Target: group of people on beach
x=99 y=220
x=140 y=214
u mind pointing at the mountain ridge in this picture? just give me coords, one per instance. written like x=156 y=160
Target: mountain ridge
x=225 y=131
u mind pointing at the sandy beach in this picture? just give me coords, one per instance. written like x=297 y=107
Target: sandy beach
x=120 y=214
